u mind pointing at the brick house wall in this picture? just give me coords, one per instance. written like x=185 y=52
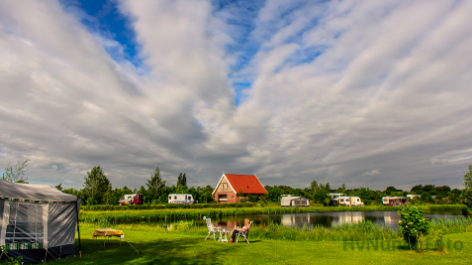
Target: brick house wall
x=224 y=190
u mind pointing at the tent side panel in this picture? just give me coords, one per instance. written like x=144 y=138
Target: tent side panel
x=61 y=224
x=2 y=202
x=5 y=219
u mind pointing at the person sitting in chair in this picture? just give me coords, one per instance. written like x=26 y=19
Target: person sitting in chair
x=236 y=230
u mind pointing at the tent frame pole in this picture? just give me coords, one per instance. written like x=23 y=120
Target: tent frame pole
x=78 y=228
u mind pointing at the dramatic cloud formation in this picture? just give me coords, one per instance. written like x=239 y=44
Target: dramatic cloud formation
x=367 y=93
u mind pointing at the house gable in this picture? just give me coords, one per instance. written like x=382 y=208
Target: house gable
x=223 y=186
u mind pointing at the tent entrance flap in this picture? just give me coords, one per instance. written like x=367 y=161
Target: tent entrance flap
x=25 y=229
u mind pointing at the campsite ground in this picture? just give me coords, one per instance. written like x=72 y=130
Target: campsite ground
x=158 y=247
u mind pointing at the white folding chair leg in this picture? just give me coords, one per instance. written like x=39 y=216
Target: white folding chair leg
x=207 y=235
x=237 y=238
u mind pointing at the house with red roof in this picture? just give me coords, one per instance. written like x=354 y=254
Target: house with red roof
x=230 y=185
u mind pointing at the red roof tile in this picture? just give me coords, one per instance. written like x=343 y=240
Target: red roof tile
x=248 y=184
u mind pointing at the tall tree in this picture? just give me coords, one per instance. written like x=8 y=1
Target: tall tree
x=16 y=174
x=96 y=186
x=184 y=180
x=155 y=185
x=314 y=186
x=179 y=180
x=467 y=191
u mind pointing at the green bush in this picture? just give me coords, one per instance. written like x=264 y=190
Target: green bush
x=9 y=260
x=413 y=224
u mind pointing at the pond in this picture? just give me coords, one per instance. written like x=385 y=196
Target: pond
x=325 y=219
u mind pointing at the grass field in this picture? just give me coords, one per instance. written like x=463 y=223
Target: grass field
x=134 y=215
x=156 y=246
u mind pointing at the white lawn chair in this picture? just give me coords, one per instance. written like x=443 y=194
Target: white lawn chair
x=211 y=228
x=245 y=234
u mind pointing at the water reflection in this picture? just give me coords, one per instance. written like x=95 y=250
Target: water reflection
x=325 y=219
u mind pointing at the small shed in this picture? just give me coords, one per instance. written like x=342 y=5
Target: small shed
x=37 y=222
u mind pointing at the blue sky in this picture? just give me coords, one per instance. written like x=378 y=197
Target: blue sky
x=366 y=93
x=104 y=17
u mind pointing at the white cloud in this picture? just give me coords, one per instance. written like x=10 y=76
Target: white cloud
x=389 y=90
x=372 y=172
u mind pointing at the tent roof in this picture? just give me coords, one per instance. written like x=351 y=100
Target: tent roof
x=33 y=192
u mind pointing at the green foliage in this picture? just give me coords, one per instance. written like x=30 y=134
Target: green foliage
x=413 y=224
x=467 y=192
x=9 y=260
x=179 y=180
x=97 y=186
x=314 y=186
x=426 y=197
x=16 y=175
x=438 y=239
x=184 y=180
x=320 y=196
x=156 y=185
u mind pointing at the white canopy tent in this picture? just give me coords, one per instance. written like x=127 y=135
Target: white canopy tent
x=37 y=222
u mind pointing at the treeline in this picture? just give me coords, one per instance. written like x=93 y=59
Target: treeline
x=318 y=193
x=97 y=190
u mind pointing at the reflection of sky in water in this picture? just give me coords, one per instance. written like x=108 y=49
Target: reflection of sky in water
x=325 y=219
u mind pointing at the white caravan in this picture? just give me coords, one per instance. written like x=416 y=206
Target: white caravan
x=295 y=201
x=349 y=201
x=180 y=198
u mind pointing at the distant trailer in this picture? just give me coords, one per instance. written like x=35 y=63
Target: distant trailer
x=180 y=198
x=130 y=199
x=412 y=196
x=349 y=201
x=294 y=201
x=393 y=201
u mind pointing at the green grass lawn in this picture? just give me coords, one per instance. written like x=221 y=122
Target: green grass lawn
x=156 y=246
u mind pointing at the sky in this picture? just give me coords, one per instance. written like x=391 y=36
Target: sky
x=366 y=93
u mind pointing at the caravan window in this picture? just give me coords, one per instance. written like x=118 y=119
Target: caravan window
x=175 y=197
x=347 y=200
x=357 y=199
x=342 y=200
x=170 y=197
